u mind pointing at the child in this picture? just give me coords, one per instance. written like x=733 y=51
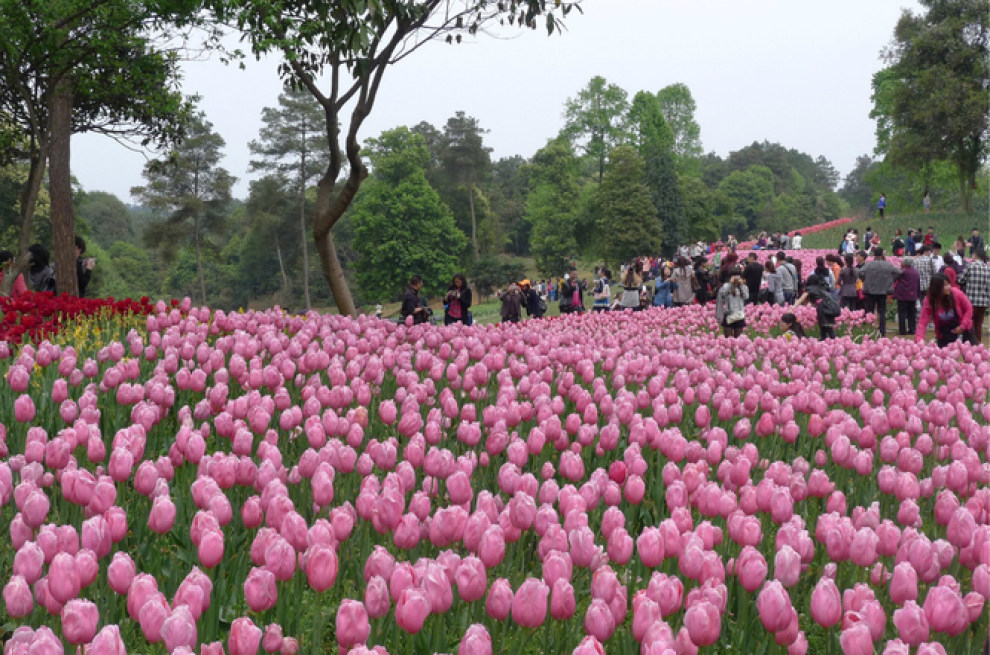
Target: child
x=818 y=293
x=791 y=327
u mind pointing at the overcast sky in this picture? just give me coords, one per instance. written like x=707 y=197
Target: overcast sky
x=797 y=73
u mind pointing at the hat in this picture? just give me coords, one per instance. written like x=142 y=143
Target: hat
x=524 y=283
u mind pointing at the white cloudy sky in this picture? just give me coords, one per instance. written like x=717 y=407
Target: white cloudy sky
x=788 y=71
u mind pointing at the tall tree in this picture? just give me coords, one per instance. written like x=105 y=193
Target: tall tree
x=269 y=211
x=931 y=101
x=595 y=121
x=108 y=218
x=655 y=141
x=508 y=191
x=193 y=188
x=552 y=206
x=627 y=219
x=292 y=144
x=751 y=192
x=77 y=66
x=465 y=164
x=357 y=42
x=401 y=226
x=678 y=108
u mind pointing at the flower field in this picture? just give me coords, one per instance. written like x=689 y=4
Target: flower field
x=181 y=480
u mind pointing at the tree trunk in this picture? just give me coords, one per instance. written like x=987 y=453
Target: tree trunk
x=329 y=208
x=302 y=222
x=60 y=189
x=474 y=220
x=281 y=267
x=199 y=261
x=28 y=201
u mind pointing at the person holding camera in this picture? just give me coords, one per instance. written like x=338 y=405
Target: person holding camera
x=84 y=266
x=512 y=300
x=412 y=302
x=730 y=304
x=457 y=302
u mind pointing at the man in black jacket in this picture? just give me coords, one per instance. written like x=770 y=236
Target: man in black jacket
x=412 y=303
x=753 y=274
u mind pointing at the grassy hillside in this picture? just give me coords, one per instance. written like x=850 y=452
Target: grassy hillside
x=947 y=225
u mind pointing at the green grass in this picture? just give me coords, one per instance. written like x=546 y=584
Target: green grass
x=948 y=226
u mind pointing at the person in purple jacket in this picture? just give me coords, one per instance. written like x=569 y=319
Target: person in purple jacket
x=907 y=289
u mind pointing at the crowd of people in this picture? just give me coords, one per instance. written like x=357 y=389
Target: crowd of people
x=950 y=290
x=41 y=275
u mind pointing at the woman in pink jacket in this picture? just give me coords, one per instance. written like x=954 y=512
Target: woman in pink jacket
x=950 y=310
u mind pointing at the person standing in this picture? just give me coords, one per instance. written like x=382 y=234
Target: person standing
x=84 y=266
x=683 y=278
x=975 y=280
x=930 y=238
x=897 y=244
x=785 y=241
x=909 y=245
x=975 y=242
x=907 y=290
x=412 y=303
x=949 y=309
x=867 y=238
x=848 y=292
x=602 y=290
x=925 y=268
x=512 y=300
x=926 y=202
x=881 y=205
x=704 y=278
x=663 y=295
x=631 y=282
x=789 y=276
x=457 y=302
x=775 y=285
x=40 y=273
x=753 y=274
x=730 y=304
x=796 y=241
x=878 y=281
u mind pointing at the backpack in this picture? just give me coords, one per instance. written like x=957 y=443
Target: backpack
x=828 y=306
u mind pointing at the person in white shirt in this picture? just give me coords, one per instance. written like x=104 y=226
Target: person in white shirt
x=796 y=241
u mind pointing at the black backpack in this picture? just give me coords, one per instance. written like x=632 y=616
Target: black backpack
x=828 y=306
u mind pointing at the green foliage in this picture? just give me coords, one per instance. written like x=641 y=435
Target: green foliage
x=931 y=101
x=551 y=207
x=401 y=226
x=194 y=190
x=489 y=273
x=123 y=270
x=701 y=208
x=108 y=218
x=507 y=198
x=678 y=107
x=627 y=220
x=595 y=121
x=751 y=192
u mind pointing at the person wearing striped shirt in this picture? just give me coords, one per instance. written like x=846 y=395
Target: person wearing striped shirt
x=975 y=281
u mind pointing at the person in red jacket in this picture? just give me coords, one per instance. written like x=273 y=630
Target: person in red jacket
x=6 y=259
x=950 y=310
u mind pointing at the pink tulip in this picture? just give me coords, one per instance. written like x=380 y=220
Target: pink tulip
x=472 y=581
x=856 y=640
x=945 y=610
x=179 y=629
x=911 y=624
x=500 y=599
x=260 y=589
x=826 y=606
x=589 y=646
x=376 y=598
x=704 y=623
x=63 y=578
x=272 y=639
x=24 y=409
x=751 y=568
x=17 y=597
x=598 y=620
x=161 y=518
x=476 y=641
x=904 y=583
x=244 y=638
x=411 y=610
x=529 y=606
x=321 y=567
x=773 y=604
x=352 y=624
x=562 y=601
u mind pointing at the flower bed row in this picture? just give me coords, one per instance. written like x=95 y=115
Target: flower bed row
x=622 y=482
